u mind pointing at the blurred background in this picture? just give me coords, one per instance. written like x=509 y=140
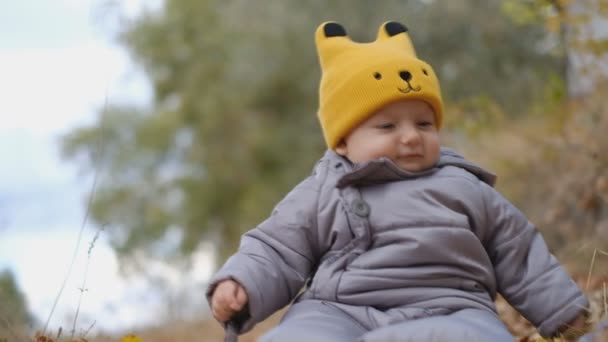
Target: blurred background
x=140 y=139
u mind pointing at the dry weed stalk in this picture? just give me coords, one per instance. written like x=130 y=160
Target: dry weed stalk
x=83 y=288
x=96 y=171
x=605 y=303
x=595 y=251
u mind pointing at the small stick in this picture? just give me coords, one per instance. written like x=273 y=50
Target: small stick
x=89 y=329
x=590 y=269
x=604 y=285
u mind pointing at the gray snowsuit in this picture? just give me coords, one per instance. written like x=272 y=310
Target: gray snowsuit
x=390 y=255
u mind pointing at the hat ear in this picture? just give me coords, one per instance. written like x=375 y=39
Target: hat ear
x=393 y=28
x=332 y=29
x=331 y=40
x=397 y=32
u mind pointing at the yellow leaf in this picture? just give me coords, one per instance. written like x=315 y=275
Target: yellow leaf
x=131 y=338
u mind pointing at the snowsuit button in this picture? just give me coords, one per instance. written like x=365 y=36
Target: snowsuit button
x=360 y=208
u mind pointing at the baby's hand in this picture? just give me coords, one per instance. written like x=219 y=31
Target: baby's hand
x=228 y=298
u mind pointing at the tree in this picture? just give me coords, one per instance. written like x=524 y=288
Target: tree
x=232 y=126
x=558 y=146
x=14 y=308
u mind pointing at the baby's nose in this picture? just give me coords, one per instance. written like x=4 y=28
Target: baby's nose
x=405 y=75
x=409 y=136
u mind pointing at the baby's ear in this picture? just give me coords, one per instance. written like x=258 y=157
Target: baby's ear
x=341 y=148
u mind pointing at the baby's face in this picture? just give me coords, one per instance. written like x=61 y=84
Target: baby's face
x=404 y=131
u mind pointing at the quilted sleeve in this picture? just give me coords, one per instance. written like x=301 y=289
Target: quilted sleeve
x=528 y=276
x=275 y=259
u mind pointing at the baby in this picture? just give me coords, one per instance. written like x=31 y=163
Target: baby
x=391 y=238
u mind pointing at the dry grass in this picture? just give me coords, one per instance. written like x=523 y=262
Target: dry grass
x=524 y=331
x=210 y=331
x=207 y=330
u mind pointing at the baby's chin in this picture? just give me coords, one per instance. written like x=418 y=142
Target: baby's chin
x=414 y=163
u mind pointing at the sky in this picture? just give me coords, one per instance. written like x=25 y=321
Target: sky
x=59 y=61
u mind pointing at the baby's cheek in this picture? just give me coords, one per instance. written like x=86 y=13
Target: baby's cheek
x=384 y=151
x=370 y=155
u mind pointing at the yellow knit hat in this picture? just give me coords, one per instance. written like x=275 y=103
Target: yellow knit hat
x=360 y=78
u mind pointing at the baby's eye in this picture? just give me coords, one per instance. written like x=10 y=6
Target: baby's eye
x=425 y=123
x=386 y=125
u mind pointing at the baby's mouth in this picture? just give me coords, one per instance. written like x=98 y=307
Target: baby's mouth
x=411 y=155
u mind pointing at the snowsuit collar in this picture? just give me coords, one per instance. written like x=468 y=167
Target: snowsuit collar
x=384 y=170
